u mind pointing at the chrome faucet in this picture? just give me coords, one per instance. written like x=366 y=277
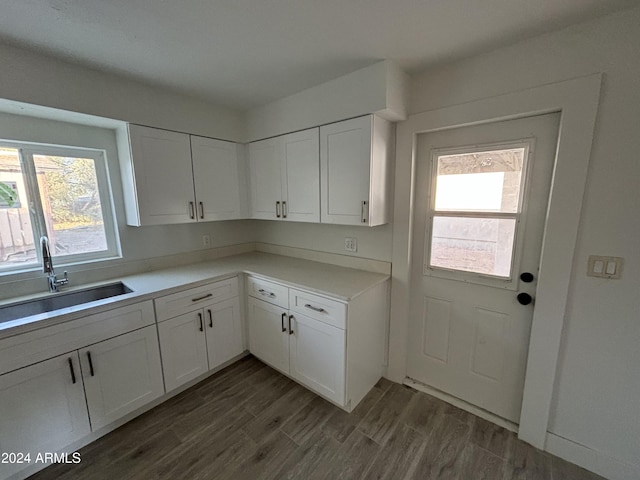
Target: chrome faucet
x=47 y=267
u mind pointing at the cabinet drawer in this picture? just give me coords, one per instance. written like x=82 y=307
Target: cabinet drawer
x=31 y=347
x=268 y=291
x=180 y=303
x=317 y=307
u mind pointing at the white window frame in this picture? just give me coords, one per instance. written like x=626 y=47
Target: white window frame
x=26 y=151
x=510 y=282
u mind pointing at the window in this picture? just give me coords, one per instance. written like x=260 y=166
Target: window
x=60 y=192
x=476 y=206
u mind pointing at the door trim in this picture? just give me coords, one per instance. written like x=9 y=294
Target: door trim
x=577 y=100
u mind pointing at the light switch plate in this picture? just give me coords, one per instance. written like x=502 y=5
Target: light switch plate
x=351 y=244
x=604 y=267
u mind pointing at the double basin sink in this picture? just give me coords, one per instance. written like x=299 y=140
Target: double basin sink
x=59 y=301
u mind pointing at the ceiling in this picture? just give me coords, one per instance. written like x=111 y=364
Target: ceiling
x=245 y=53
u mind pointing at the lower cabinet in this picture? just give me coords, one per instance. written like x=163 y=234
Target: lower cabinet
x=308 y=350
x=121 y=374
x=43 y=409
x=200 y=340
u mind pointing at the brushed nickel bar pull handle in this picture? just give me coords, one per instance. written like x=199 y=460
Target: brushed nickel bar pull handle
x=264 y=292
x=202 y=298
x=192 y=211
x=284 y=209
x=201 y=325
x=201 y=210
x=284 y=329
x=290 y=329
x=315 y=309
x=210 y=318
x=362 y=209
x=91 y=371
x=278 y=209
x=73 y=373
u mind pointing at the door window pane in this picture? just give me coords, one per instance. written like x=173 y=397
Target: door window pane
x=71 y=204
x=17 y=244
x=480 y=181
x=480 y=245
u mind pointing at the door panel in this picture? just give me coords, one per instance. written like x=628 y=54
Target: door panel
x=301 y=176
x=184 y=348
x=126 y=375
x=264 y=165
x=268 y=334
x=224 y=332
x=468 y=335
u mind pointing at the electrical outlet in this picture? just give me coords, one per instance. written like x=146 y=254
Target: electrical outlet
x=351 y=244
x=206 y=240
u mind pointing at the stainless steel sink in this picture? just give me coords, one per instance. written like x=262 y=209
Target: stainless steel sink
x=61 y=300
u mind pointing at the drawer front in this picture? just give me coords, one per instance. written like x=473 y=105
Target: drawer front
x=268 y=291
x=180 y=303
x=32 y=347
x=320 y=308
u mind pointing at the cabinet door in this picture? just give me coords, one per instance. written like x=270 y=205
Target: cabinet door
x=184 y=348
x=268 y=335
x=217 y=175
x=224 y=331
x=121 y=374
x=301 y=176
x=318 y=356
x=43 y=409
x=345 y=161
x=264 y=167
x=163 y=175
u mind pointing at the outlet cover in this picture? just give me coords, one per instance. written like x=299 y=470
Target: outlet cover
x=206 y=240
x=351 y=244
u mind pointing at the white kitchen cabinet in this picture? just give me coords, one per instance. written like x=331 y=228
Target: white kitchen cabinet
x=333 y=347
x=177 y=178
x=219 y=179
x=224 y=331
x=317 y=356
x=285 y=177
x=184 y=348
x=268 y=333
x=199 y=329
x=43 y=409
x=355 y=171
x=121 y=374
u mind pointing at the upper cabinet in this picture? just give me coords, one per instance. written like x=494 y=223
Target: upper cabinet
x=355 y=166
x=177 y=178
x=285 y=177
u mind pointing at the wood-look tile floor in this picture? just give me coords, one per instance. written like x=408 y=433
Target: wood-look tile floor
x=250 y=422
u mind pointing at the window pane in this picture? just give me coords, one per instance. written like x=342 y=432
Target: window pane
x=481 y=182
x=17 y=245
x=71 y=204
x=482 y=245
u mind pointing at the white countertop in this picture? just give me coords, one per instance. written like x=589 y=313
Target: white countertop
x=324 y=279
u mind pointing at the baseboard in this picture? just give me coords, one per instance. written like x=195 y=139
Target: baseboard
x=456 y=402
x=368 y=264
x=592 y=460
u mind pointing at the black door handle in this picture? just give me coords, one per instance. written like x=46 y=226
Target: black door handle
x=524 y=298
x=290 y=329
x=526 y=277
x=210 y=318
x=90 y=364
x=201 y=325
x=284 y=329
x=73 y=373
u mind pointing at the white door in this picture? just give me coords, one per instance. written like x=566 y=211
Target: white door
x=264 y=167
x=301 y=176
x=318 y=356
x=163 y=175
x=217 y=172
x=184 y=348
x=268 y=334
x=43 y=409
x=345 y=160
x=224 y=331
x=480 y=204
x=121 y=374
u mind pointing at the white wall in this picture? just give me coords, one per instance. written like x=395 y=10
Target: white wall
x=37 y=79
x=597 y=389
